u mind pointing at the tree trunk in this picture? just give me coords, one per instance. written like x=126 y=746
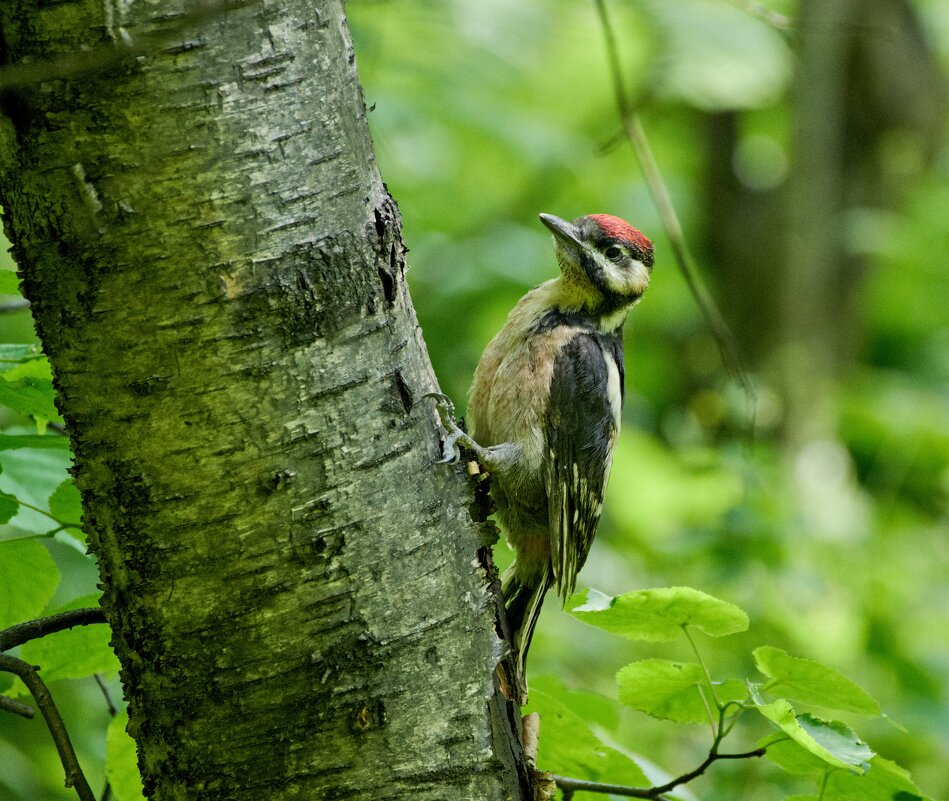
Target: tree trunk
x=299 y=598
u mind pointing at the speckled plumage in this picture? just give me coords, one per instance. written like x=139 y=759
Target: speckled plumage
x=544 y=410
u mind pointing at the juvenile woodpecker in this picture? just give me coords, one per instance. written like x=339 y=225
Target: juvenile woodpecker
x=544 y=410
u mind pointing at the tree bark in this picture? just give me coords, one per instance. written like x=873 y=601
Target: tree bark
x=299 y=598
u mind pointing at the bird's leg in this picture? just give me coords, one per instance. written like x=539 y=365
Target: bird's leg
x=451 y=450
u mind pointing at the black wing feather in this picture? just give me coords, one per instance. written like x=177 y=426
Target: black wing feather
x=581 y=431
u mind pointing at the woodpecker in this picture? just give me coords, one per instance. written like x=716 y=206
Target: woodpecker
x=544 y=411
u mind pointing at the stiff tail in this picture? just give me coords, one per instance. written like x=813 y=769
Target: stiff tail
x=522 y=600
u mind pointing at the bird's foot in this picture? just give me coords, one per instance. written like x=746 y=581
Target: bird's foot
x=451 y=447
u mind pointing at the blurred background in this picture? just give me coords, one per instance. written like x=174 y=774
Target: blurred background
x=804 y=146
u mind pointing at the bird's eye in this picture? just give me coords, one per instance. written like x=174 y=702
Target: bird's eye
x=613 y=252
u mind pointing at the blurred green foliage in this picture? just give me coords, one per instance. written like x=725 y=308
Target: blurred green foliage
x=483 y=115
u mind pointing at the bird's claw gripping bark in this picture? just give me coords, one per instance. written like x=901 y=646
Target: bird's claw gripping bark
x=451 y=452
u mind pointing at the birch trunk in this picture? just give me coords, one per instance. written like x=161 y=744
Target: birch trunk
x=299 y=598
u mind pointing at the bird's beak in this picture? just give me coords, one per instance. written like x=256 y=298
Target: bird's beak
x=564 y=231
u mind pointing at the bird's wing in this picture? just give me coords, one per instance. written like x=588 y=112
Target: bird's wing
x=582 y=425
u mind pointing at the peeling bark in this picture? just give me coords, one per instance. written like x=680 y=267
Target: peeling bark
x=299 y=598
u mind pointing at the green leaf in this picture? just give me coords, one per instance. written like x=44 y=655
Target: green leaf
x=8 y=507
x=65 y=504
x=657 y=615
x=793 y=758
x=591 y=707
x=9 y=283
x=37 y=368
x=29 y=396
x=121 y=763
x=567 y=745
x=13 y=355
x=812 y=682
x=672 y=690
x=885 y=781
x=74 y=653
x=28 y=579
x=832 y=741
x=12 y=442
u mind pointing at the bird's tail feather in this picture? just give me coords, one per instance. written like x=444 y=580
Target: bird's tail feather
x=522 y=600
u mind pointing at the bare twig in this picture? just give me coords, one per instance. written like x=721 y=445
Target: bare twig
x=9 y=705
x=575 y=785
x=34 y=629
x=105 y=694
x=670 y=220
x=107 y=789
x=75 y=778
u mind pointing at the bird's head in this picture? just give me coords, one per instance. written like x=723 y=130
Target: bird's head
x=603 y=257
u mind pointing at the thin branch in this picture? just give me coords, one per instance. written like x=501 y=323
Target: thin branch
x=575 y=785
x=75 y=778
x=34 y=629
x=105 y=694
x=107 y=788
x=667 y=213
x=14 y=306
x=9 y=705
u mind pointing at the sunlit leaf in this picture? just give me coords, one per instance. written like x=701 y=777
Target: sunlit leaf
x=812 y=682
x=121 y=762
x=657 y=615
x=672 y=690
x=9 y=283
x=791 y=756
x=832 y=741
x=28 y=579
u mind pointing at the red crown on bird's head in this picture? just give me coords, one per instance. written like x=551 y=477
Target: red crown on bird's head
x=620 y=229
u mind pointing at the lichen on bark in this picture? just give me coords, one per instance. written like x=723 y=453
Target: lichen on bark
x=298 y=595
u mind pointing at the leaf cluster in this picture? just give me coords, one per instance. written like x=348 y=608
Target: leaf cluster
x=40 y=520
x=815 y=747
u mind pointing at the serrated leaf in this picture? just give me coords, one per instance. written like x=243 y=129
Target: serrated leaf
x=65 y=504
x=28 y=579
x=567 y=745
x=812 y=682
x=657 y=615
x=12 y=442
x=885 y=781
x=29 y=396
x=671 y=690
x=832 y=741
x=74 y=653
x=8 y=507
x=121 y=762
x=9 y=283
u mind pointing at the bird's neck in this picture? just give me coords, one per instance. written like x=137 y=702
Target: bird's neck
x=572 y=296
